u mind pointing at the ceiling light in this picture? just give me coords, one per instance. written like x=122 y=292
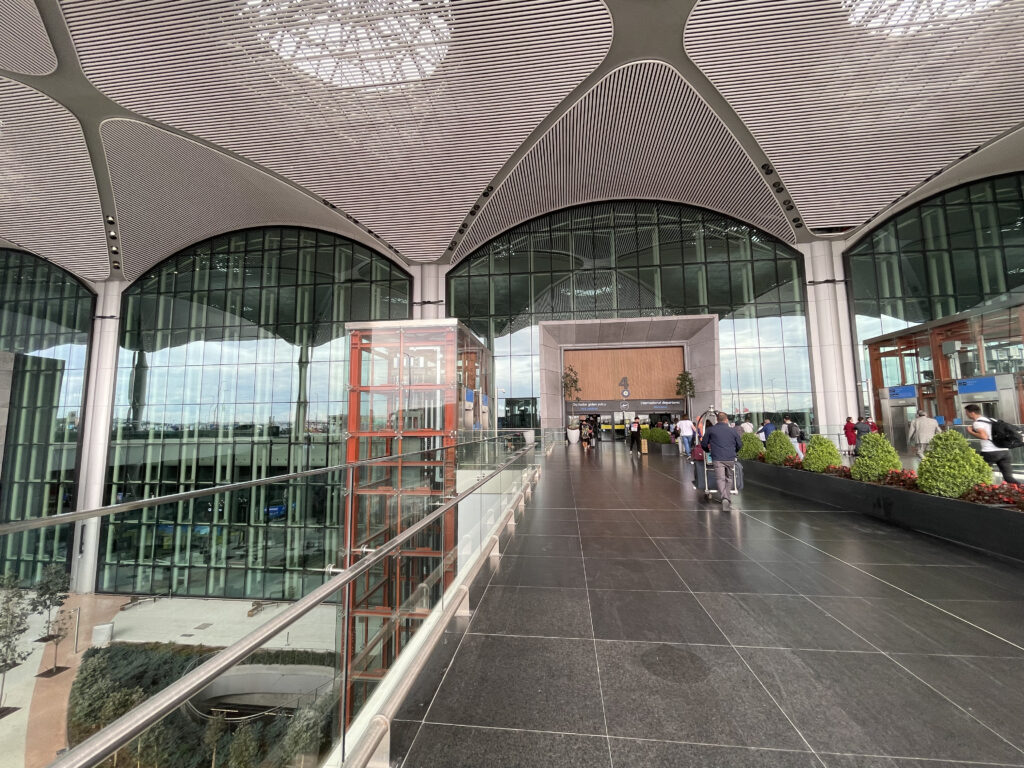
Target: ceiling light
x=372 y=45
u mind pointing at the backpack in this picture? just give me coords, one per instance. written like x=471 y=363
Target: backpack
x=792 y=429
x=1005 y=435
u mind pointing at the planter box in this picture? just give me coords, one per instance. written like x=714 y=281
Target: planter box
x=996 y=529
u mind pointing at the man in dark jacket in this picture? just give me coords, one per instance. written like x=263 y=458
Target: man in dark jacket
x=722 y=442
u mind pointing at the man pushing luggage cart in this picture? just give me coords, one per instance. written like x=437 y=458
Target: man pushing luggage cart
x=720 y=443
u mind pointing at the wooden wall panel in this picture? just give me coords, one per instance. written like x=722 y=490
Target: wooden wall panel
x=651 y=371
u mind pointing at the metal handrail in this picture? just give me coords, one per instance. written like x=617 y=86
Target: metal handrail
x=101 y=745
x=17 y=526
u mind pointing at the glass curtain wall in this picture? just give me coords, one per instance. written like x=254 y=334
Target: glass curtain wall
x=233 y=366
x=641 y=259
x=45 y=324
x=946 y=255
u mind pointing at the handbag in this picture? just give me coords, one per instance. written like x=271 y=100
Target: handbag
x=697 y=453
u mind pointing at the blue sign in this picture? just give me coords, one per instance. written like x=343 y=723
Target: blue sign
x=469 y=395
x=275 y=511
x=940 y=419
x=903 y=393
x=971 y=386
x=483 y=400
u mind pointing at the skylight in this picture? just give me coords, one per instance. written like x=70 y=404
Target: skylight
x=907 y=17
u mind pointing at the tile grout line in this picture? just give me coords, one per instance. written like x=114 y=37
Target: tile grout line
x=593 y=632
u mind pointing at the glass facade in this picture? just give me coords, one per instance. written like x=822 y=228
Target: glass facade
x=946 y=255
x=233 y=366
x=641 y=259
x=45 y=324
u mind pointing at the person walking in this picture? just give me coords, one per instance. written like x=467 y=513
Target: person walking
x=792 y=430
x=982 y=429
x=861 y=428
x=686 y=430
x=747 y=426
x=585 y=433
x=722 y=442
x=923 y=430
x=634 y=435
x=765 y=429
x=850 y=430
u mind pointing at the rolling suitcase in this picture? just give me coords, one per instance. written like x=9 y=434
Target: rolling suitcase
x=702 y=474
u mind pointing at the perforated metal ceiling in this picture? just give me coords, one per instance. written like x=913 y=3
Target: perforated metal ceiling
x=403 y=135
x=198 y=193
x=48 y=200
x=24 y=46
x=858 y=101
x=641 y=132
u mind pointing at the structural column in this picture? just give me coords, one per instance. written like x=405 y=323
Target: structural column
x=428 y=292
x=833 y=357
x=96 y=426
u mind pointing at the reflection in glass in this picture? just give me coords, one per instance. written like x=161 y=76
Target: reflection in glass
x=45 y=323
x=233 y=367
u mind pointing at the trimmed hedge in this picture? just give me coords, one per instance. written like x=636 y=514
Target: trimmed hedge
x=655 y=435
x=875 y=459
x=752 y=447
x=951 y=467
x=821 y=454
x=777 y=448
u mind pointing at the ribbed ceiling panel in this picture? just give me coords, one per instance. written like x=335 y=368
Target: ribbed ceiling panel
x=643 y=133
x=856 y=102
x=398 y=111
x=172 y=192
x=24 y=45
x=48 y=200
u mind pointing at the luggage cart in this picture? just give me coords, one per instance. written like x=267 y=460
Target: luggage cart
x=703 y=471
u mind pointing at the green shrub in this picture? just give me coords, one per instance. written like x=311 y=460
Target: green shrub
x=752 y=447
x=777 y=448
x=875 y=458
x=821 y=454
x=951 y=467
x=656 y=435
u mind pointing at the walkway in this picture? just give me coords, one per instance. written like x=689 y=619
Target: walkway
x=631 y=624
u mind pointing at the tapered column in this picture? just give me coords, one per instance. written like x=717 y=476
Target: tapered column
x=96 y=426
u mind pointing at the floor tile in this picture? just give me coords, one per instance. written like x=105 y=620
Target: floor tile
x=603 y=546
x=605 y=514
x=781 y=621
x=1002 y=618
x=543 y=526
x=618 y=528
x=863 y=703
x=633 y=753
x=445 y=746
x=831 y=578
x=672 y=617
x=693 y=693
x=729 y=576
x=862 y=761
x=698 y=549
x=685 y=529
x=883 y=551
x=533 y=611
x=522 y=682
x=936 y=582
x=780 y=551
x=540 y=572
x=548 y=546
x=622 y=573
x=990 y=689
x=908 y=625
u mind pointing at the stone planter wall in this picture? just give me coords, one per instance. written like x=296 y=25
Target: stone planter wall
x=995 y=529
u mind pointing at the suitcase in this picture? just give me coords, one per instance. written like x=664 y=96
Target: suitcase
x=704 y=477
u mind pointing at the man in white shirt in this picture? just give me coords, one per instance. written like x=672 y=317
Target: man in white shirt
x=746 y=426
x=982 y=429
x=686 y=431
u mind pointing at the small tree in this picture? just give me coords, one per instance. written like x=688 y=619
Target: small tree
x=215 y=728
x=752 y=447
x=778 y=448
x=50 y=592
x=821 y=454
x=951 y=467
x=685 y=387
x=570 y=383
x=59 y=630
x=875 y=458
x=245 y=747
x=14 y=612
x=303 y=734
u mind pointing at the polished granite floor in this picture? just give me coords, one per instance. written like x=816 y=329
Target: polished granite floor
x=632 y=624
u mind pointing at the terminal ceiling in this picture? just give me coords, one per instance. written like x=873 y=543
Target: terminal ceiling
x=131 y=129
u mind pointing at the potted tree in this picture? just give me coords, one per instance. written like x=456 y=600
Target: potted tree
x=571 y=389
x=685 y=387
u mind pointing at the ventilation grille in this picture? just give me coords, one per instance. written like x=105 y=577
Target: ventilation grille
x=640 y=133
x=24 y=46
x=407 y=152
x=172 y=192
x=856 y=102
x=50 y=206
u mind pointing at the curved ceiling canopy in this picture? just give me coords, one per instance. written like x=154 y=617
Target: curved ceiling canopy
x=640 y=133
x=199 y=193
x=400 y=112
x=24 y=45
x=859 y=101
x=48 y=200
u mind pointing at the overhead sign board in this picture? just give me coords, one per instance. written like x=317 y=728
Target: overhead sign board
x=903 y=393
x=607 y=406
x=980 y=384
